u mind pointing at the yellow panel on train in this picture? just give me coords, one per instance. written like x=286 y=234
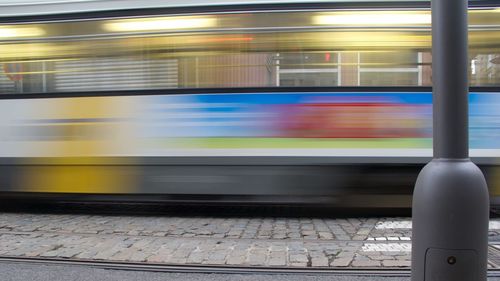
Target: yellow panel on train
x=79 y=179
x=84 y=130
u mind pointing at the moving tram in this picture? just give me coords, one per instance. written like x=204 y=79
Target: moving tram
x=310 y=102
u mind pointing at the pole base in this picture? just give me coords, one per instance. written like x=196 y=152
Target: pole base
x=450 y=222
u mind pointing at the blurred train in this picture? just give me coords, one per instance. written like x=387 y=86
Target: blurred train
x=311 y=102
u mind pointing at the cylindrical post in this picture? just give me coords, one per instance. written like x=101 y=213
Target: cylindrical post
x=450 y=78
x=450 y=200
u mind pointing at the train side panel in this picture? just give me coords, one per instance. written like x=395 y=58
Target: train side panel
x=139 y=144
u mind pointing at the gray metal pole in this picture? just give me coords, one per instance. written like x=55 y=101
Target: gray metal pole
x=450 y=200
x=450 y=78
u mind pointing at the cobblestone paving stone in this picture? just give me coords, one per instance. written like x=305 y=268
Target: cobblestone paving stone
x=275 y=242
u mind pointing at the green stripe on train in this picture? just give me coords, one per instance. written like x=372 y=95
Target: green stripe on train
x=298 y=143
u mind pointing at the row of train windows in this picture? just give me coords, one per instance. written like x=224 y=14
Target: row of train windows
x=235 y=70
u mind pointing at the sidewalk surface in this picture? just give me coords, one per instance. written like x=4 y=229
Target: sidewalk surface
x=363 y=243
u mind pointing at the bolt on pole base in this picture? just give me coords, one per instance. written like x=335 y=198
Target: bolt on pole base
x=450 y=222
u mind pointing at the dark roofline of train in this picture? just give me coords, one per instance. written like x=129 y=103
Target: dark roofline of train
x=52 y=13
x=188 y=91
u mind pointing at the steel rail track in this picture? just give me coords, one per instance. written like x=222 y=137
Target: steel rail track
x=375 y=272
x=207 y=268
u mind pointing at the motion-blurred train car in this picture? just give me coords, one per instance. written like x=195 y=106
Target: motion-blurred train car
x=320 y=102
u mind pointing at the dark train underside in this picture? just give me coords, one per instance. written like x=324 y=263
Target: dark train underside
x=378 y=185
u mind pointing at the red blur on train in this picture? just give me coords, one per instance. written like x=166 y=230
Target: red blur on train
x=353 y=120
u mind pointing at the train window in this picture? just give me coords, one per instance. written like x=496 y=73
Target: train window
x=227 y=70
x=389 y=69
x=326 y=60
x=307 y=69
x=308 y=79
x=115 y=73
x=389 y=78
x=264 y=49
x=388 y=59
x=485 y=69
x=7 y=83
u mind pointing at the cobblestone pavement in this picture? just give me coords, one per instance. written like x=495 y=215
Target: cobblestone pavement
x=275 y=242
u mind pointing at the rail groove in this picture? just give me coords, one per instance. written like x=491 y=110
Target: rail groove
x=385 y=272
